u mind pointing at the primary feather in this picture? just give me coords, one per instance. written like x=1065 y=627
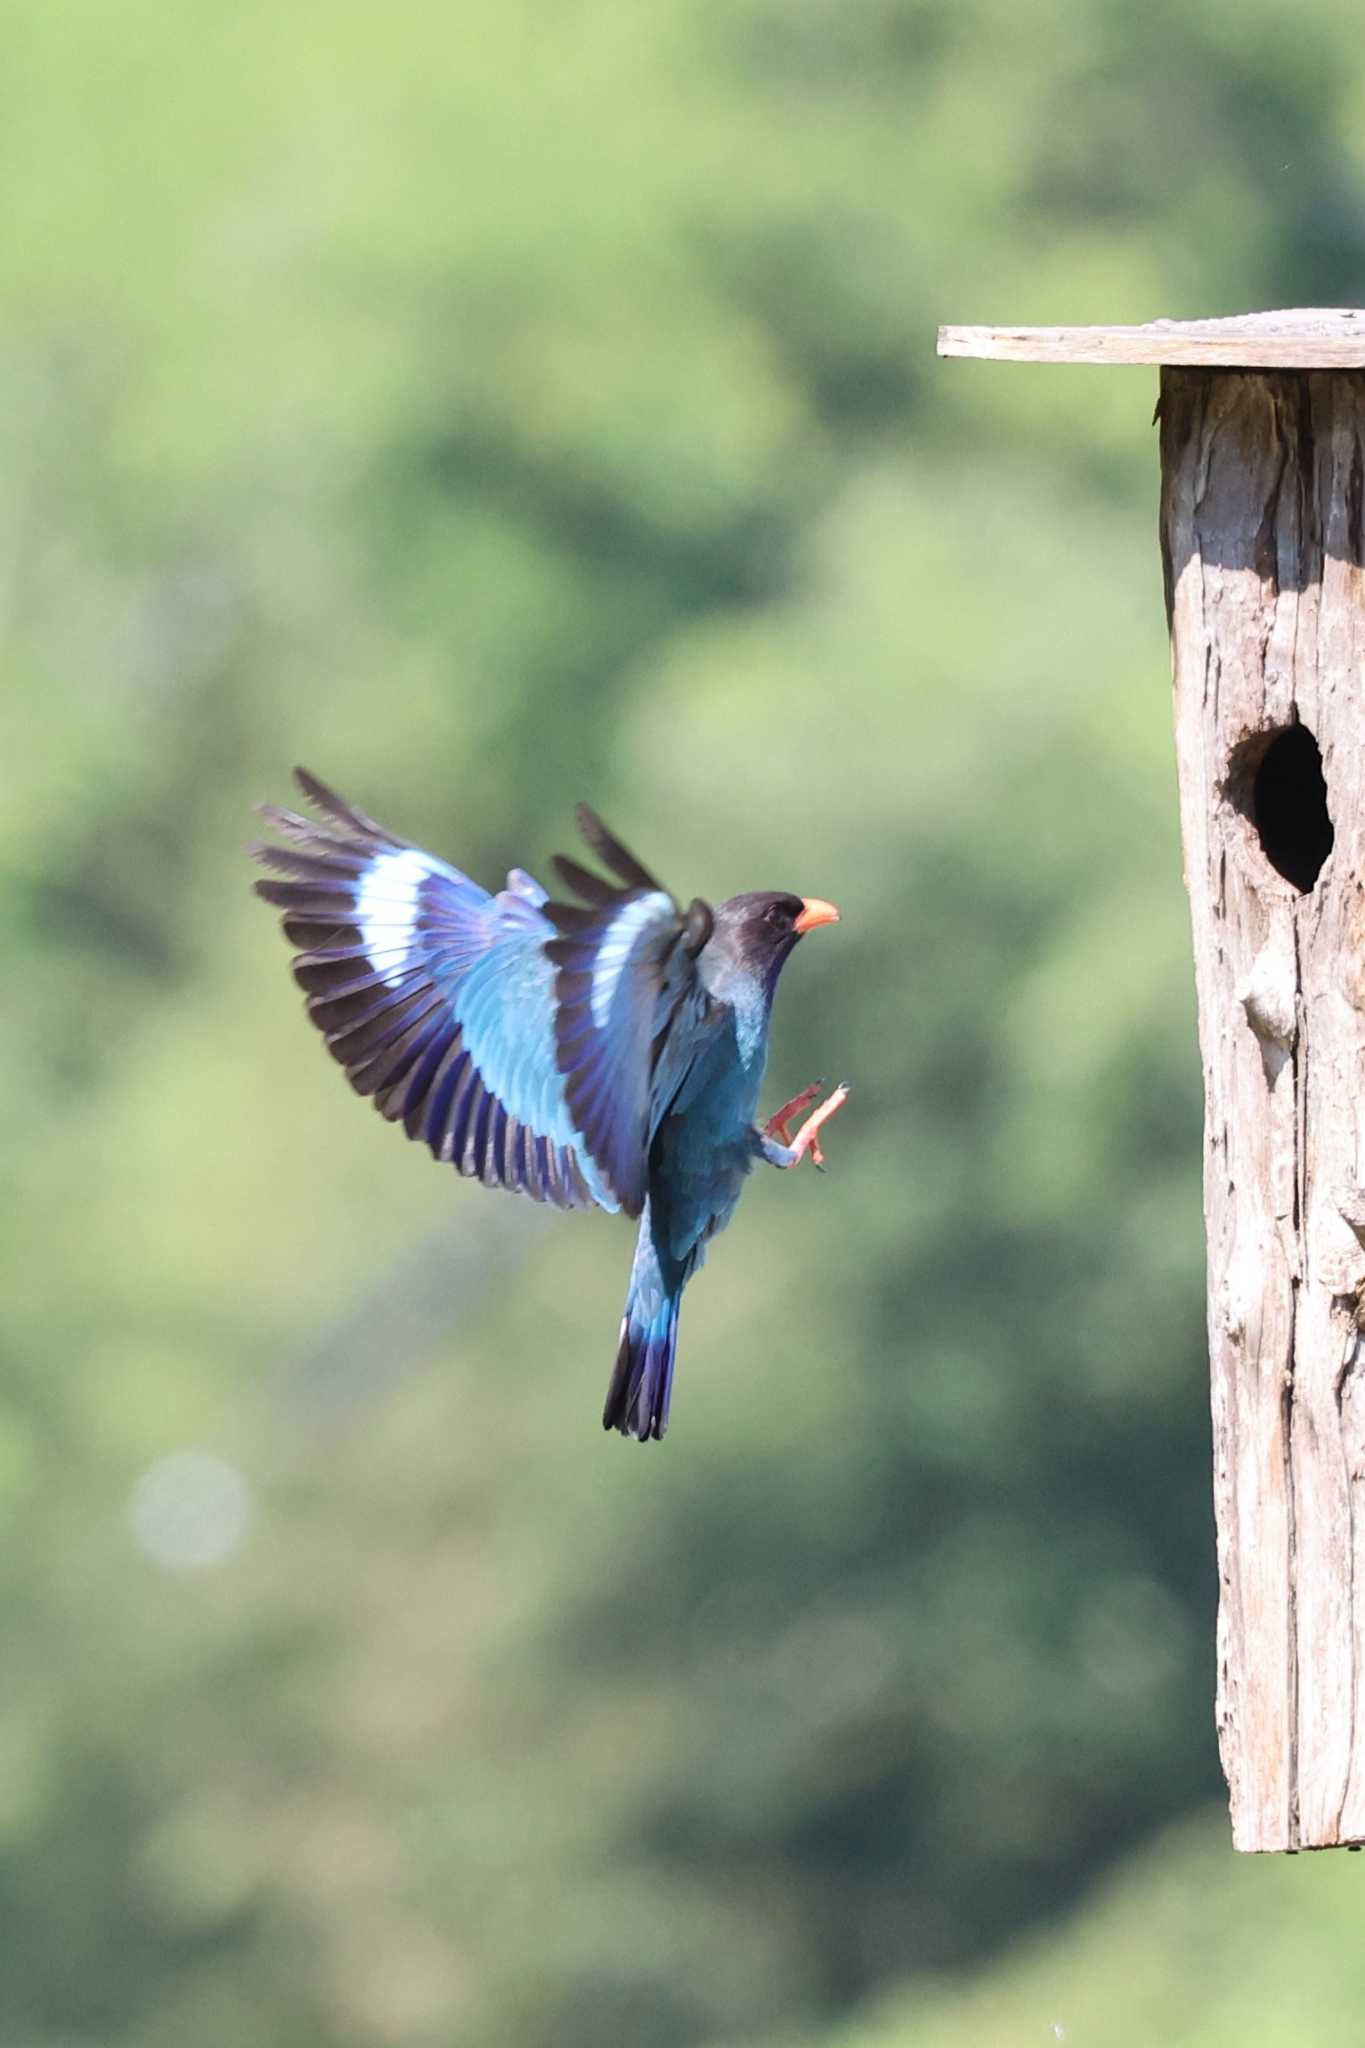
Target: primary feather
x=436 y=997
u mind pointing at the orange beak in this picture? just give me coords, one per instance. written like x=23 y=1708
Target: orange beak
x=814 y=912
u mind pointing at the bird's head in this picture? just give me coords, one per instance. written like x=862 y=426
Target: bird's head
x=759 y=930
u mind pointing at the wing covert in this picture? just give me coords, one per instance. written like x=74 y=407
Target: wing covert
x=626 y=972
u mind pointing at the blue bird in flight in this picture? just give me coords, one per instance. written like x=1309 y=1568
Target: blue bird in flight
x=605 y=1052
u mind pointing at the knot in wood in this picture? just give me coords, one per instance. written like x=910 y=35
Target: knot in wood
x=1350 y=1203
x=1269 y=997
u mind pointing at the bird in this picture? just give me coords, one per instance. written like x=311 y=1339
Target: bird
x=607 y=1051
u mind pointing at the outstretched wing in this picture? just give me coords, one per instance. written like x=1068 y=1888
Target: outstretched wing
x=630 y=1008
x=436 y=997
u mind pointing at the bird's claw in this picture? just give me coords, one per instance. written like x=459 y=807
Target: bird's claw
x=776 y=1126
x=807 y=1138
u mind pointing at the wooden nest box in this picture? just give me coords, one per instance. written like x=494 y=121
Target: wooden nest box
x=1262 y=510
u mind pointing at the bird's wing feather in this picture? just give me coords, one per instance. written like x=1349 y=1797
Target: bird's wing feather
x=437 y=998
x=627 y=993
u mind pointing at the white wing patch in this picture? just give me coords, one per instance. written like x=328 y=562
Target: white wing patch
x=617 y=946
x=386 y=909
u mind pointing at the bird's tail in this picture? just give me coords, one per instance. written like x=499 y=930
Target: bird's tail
x=642 y=1377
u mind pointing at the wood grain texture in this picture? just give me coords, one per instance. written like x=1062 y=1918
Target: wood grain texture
x=1306 y=338
x=1263 y=478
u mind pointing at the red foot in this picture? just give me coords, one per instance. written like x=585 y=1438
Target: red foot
x=806 y=1139
x=776 y=1126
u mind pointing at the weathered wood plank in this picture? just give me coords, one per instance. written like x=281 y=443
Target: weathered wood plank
x=1306 y=338
x=1261 y=523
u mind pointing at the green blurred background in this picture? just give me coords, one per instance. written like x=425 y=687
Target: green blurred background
x=498 y=405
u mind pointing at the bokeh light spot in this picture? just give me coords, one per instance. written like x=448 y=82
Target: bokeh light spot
x=190 y=1511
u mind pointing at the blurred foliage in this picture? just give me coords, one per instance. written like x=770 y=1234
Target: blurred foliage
x=1188 y=1948
x=492 y=408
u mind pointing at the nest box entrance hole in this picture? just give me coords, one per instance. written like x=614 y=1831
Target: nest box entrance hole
x=1276 y=781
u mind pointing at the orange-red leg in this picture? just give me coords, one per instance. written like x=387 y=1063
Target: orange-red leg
x=807 y=1138
x=776 y=1126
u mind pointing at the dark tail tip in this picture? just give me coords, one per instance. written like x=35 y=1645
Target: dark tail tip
x=641 y=1380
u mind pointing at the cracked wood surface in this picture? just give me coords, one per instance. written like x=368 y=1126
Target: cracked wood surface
x=1305 y=338
x=1261 y=527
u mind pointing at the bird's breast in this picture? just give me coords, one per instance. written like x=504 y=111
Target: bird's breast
x=704 y=1147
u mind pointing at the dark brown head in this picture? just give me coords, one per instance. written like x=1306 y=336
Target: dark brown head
x=757 y=931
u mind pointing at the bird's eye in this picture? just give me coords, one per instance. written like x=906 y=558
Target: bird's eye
x=775 y=917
